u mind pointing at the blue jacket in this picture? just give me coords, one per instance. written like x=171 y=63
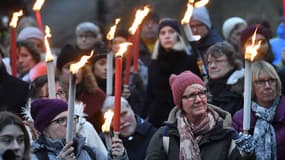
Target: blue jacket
x=278 y=43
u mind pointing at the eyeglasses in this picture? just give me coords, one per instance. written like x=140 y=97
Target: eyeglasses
x=262 y=82
x=192 y=96
x=60 y=94
x=216 y=61
x=63 y=120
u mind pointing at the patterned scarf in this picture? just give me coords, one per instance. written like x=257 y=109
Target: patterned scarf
x=190 y=134
x=264 y=133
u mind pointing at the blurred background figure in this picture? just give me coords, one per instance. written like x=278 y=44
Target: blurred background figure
x=267 y=113
x=14 y=138
x=226 y=76
x=278 y=45
x=232 y=28
x=134 y=131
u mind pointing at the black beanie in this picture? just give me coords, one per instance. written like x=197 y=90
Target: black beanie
x=169 y=22
x=67 y=54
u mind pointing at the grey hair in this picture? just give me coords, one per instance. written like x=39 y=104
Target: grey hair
x=87 y=27
x=110 y=102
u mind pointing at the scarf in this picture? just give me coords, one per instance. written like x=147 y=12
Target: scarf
x=264 y=133
x=190 y=134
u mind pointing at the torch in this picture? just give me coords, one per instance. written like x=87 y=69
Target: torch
x=194 y=38
x=108 y=116
x=110 y=36
x=50 y=65
x=37 y=7
x=118 y=83
x=250 y=53
x=72 y=90
x=13 y=50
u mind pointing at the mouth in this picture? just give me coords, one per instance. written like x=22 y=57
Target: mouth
x=124 y=126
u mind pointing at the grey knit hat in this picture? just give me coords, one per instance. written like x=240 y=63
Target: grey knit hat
x=201 y=14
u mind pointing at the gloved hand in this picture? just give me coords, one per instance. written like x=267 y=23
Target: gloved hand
x=245 y=143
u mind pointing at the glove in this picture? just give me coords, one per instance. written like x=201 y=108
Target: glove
x=245 y=143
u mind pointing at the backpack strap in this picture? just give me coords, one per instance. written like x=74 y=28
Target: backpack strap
x=165 y=139
x=90 y=151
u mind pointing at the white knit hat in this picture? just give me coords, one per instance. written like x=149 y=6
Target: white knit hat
x=201 y=14
x=230 y=24
x=31 y=32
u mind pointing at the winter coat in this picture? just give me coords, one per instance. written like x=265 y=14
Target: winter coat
x=13 y=92
x=159 y=99
x=214 y=145
x=278 y=44
x=44 y=146
x=137 y=143
x=278 y=124
x=227 y=96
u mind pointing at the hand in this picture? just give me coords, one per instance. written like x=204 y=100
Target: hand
x=117 y=149
x=245 y=143
x=67 y=152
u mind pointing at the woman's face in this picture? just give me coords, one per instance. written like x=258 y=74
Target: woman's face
x=263 y=49
x=168 y=37
x=265 y=89
x=100 y=68
x=25 y=60
x=234 y=37
x=59 y=91
x=57 y=127
x=12 y=138
x=86 y=40
x=194 y=102
x=218 y=67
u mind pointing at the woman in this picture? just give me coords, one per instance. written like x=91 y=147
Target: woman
x=99 y=68
x=87 y=89
x=196 y=129
x=50 y=119
x=28 y=57
x=13 y=137
x=225 y=77
x=267 y=113
x=170 y=56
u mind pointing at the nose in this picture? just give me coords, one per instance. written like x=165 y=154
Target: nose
x=267 y=84
x=14 y=145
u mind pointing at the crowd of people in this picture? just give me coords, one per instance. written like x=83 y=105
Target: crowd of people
x=168 y=110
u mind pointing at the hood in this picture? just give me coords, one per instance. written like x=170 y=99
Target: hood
x=223 y=116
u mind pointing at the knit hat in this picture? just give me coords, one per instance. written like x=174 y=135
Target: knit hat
x=169 y=22
x=44 y=110
x=248 y=32
x=38 y=70
x=87 y=27
x=31 y=32
x=230 y=24
x=67 y=54
x=201 y=14
x=179 y=83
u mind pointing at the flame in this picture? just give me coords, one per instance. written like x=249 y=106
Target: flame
x=108 y=116
x=188 y=14
x=201 y=3
x=140 y=15
x=49 y=56
x=123 y=48
x=15 y=18
x=38 y=5
x=76 y=66
x=251 y=51
x=112 y=31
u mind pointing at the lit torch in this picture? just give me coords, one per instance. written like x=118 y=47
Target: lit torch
x=50 y=65
x=250 y=53
x=118 y=83
x=37 y=7
x=108 y=116
x=193 y=38
x=72 y=89
x=13 y=50
x=110 y=36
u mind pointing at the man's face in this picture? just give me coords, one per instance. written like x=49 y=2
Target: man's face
x=86 y=40
x=150 y=29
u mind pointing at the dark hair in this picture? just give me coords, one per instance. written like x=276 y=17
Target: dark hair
x=8 y=118
x=31 y=47
x=225 y=48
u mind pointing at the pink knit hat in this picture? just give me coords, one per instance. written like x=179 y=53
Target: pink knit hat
x=180 y=82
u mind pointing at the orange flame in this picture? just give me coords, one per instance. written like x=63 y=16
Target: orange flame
x=112 y=31
x=251 y=51
x=123 y=48
x=15 y=18
x=108 y=116
x=49 y=56
x=140 y=15
x=38 y=5
x=76 y=66
x=201 y=3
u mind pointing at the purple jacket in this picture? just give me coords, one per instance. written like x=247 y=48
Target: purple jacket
x=278 y=124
